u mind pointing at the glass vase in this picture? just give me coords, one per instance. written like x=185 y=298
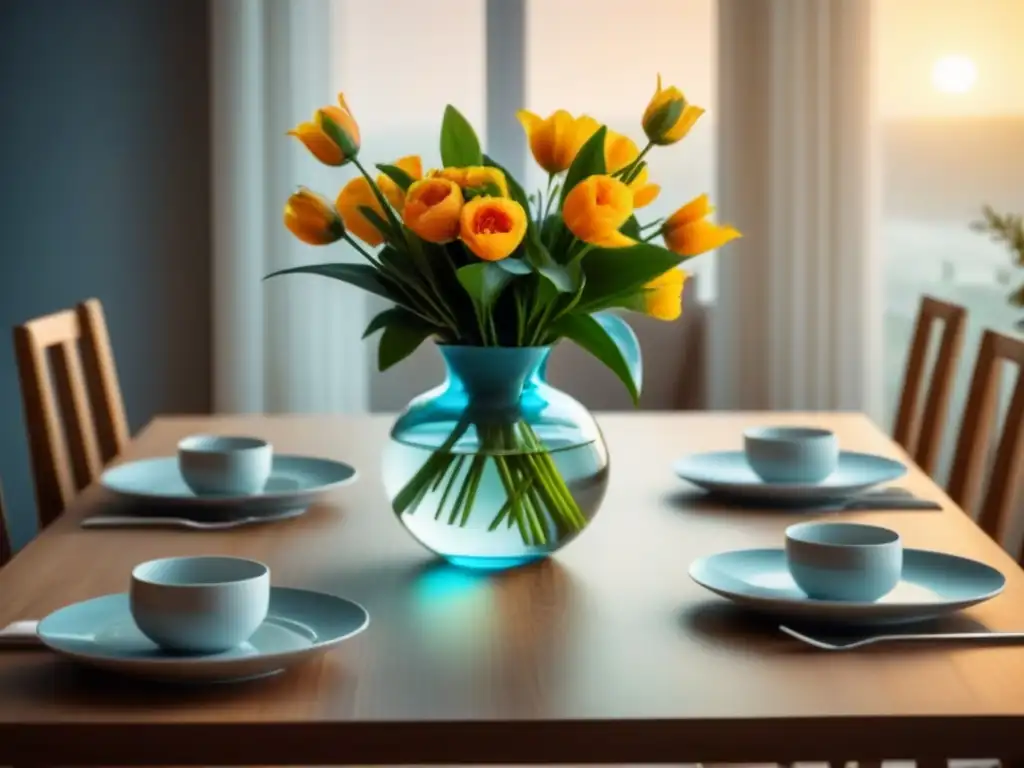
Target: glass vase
x=495 y=468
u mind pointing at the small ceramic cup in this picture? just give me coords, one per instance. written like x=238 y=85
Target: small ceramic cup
x=225 y=466
x=791 y=454
x=844 y=561
x=199 y=604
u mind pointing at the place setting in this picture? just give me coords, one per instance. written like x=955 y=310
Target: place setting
x=847 y=578
x=794 y=467
x=217 y=482
x=206 y=619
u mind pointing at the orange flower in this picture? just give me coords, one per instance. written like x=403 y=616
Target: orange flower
x=391 y=191
x=332 y=136
x=620 y=151
x=312 y=218
x=432 y=209
x=689 y=233
x=353 y=196
x=556 y=139
x=669 y=117
x=492 y=227
x=595 y=210
x=663 y=296
x=475 y=177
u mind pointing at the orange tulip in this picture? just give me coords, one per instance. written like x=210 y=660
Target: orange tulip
x=475 y=177
x=663 y=296
x=391 y=191
x=669 y=117
x=353 y=196
x=595 y=210
x=312 y=218
x=556 y=139
x=332 y=136
x=432 y=209
x=620 y=151
x=689 y=233
x=492 y=227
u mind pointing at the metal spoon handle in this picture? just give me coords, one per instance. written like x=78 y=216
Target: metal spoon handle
x=953 y=636
x=112 y=521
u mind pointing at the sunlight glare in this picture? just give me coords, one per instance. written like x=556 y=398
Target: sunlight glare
x=954 y=74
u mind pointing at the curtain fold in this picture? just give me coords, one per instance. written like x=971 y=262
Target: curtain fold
x=291 y=344
x=797 y=324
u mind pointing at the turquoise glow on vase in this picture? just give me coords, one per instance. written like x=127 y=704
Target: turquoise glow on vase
x=495 y=468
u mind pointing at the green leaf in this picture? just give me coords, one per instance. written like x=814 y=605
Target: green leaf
x=397 y=175
x=383 y=319
x=400 y=339
x=589 y=162
x=564 y=278
x=620 y=271
x=460 y=148
x=374 y=218
x=515 y=266
x=631 y=228
x=360 y=275
x=611 y=349
x=484 y=282
x=515 y=190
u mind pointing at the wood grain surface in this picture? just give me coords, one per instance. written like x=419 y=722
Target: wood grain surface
x=606 y=653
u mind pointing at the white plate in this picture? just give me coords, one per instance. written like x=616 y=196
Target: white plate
x=295 y=483
x=933 y=584
x=300 y=625
x=728 y=473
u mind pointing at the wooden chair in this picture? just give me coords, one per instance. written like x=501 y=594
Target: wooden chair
x=83 y=396
x=1007 y=475
x=921 y=434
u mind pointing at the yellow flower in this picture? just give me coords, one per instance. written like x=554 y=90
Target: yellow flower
x=353 y=196
x=663 y=296
x=312 y=218
x=596 y=208
x=556 y=139
x=332 y=136
x=475 y=176
x=689 y=233
x=432 y=208
x=391 y=191
x=620 y=151
x=668 y=117
x=492 y=227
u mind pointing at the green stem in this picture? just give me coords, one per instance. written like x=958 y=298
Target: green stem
x=633 y=169
x=476 y=470
x=451 y=484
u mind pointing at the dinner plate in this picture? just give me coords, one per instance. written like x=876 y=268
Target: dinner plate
x=295 y=483
x=728 y=473
x=933 y=584
x=300 y=625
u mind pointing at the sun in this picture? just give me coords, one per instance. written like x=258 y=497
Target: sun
x=954 y=74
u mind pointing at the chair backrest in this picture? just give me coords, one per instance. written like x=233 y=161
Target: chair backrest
x=1007 y=475
x=76 y=411
x=5 y=534
x=919 y=433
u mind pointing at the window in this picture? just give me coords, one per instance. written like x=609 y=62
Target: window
x=952 y=127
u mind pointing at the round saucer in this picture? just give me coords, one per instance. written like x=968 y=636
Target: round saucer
x=300 y=625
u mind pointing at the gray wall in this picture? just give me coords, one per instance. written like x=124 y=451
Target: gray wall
x=104 y=165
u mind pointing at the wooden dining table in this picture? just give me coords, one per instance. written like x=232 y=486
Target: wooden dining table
x=605 y=653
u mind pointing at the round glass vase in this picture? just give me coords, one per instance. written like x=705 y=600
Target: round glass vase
x=495 y=468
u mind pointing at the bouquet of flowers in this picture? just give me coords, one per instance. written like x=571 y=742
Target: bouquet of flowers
x=464 y=256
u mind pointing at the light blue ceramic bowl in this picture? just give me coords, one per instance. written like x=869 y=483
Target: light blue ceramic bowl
x=791 y=454
x=199 y=604
x=844 y=561
x=225 y=466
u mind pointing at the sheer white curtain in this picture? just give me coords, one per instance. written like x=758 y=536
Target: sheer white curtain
x=291 y=344
x=797 y=324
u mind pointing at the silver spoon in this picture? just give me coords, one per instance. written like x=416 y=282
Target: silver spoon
x=953 y=636
x=133 y=521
